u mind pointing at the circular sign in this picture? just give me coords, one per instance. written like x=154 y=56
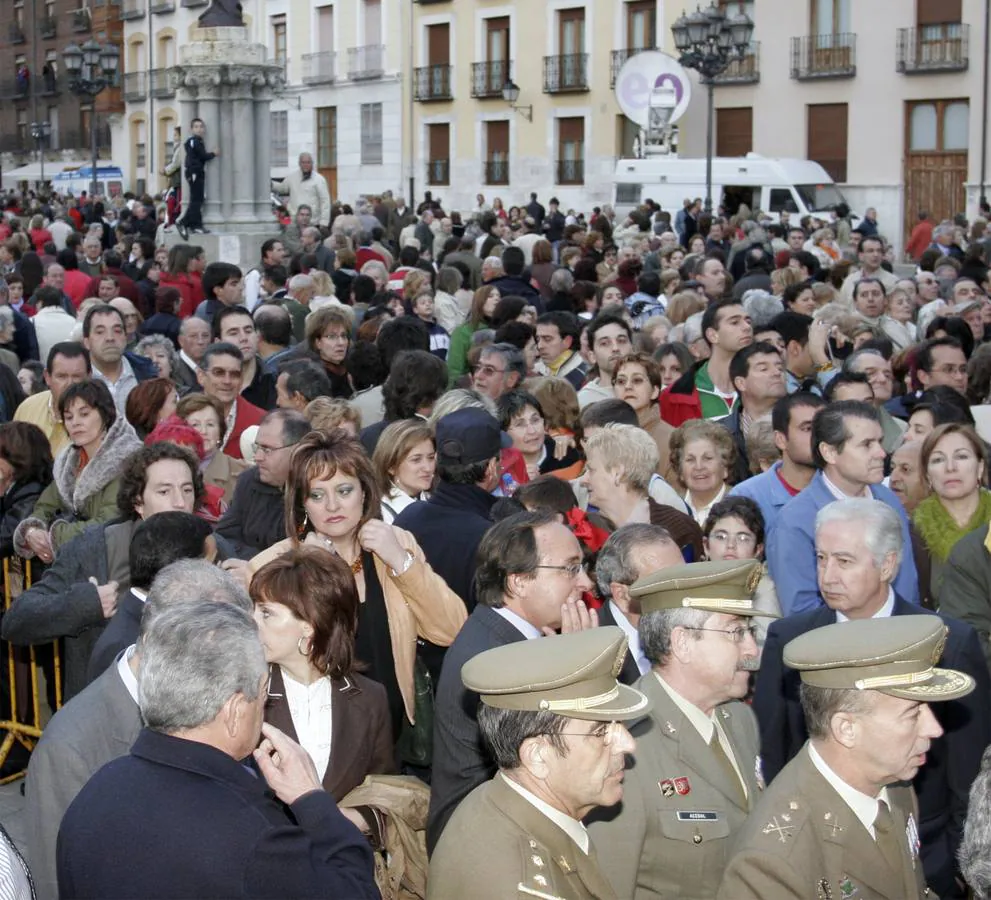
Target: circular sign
x=643 y=72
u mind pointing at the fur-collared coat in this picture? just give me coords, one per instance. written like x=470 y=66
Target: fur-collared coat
x=78 y=498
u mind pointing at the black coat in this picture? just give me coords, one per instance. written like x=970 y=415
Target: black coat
x=178 y=818
x=16 y=505
x=163 y=323
x=121 y=631
x=630 y=673
x=942 y=786
x=461 y=762
x=256 y=517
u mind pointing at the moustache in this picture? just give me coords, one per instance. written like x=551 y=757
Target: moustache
x=750 y=664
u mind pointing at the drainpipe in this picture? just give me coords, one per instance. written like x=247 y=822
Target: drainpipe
x=984 y=101
x=150 y=181
x=411 y=199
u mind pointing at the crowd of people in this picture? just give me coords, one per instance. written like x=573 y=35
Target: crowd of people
x=499 y=553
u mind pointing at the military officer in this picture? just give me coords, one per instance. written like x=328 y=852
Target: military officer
x=834 y=825
x=696 y=769
x=552 y=714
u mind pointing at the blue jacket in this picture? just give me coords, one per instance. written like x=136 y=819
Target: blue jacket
x=183 y=819
x=953 y=761
x=791 y=555
x=767 y=491
x=142 y=367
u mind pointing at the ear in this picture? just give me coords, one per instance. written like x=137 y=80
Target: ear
x=736 y=383
x=655 y=392
x=620 y=595
x=514 y=378
x=889 y=566
x=780 y=441
x=533 y=753
x=200 y=375
x=844 y=729
x=232 y=712
x=923 y=377
x=828 y=452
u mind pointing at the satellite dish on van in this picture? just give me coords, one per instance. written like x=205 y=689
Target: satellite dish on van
x=644 y=72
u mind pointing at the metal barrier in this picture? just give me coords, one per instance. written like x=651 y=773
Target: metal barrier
x=22 y=664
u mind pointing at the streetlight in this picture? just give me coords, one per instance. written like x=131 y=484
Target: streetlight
x=511 y=93
x=91 y=68
x=41 y=131
x=708 y=42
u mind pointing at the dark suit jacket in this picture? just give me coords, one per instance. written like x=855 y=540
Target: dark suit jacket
x=361 y=738
x=630 y=673
x=185 y=376
x=461 y=762
x=226 y=836
x=94 y=727
x=942 y=786
x=121 y=631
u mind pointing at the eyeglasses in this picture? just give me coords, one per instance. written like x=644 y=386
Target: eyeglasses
x=488 y=370
x=737 y=540
x=572 y=570
x=951 y=370
x=225 y=373
x=261 y=448
x=737 y=635
x=605 y=732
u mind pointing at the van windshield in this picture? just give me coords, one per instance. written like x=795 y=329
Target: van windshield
x=818 y=197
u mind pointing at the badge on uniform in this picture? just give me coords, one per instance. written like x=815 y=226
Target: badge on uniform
x=667 y=787
x=848 y=889
x=682 y=785
x=912 y=836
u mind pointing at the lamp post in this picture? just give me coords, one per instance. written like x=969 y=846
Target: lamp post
x=91 y=68
x=41 y=131
x=708 y=41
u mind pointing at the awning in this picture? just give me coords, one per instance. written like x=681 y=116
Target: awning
x=32 y=172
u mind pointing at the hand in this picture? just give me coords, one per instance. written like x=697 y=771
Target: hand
x=819 y=332
x=40 y=543
x=378 y=538
x=108 y=596
x=239 y=569
x=287 y=767
x=562 y=444
x=216 y=153
x=575 y=616
x=356 y=819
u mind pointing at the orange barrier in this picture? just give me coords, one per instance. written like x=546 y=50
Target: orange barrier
x=17 y=578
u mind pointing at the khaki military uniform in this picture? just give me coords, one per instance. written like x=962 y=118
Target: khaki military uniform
x=804 y=841
x=498 y=846
x=670 y=835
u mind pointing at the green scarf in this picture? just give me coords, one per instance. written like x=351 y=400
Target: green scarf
x=939 y=529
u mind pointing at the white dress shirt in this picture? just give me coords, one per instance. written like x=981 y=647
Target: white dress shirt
x=882 y=613
x=310 y=708
x=632 y=638
x=519 y=623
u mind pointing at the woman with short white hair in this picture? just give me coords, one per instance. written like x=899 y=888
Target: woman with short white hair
x=620 y=462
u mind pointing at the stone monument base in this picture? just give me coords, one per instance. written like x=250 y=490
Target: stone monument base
x=242 y=248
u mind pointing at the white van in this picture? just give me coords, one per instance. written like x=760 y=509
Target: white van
x=796 y=186
x=76 y=179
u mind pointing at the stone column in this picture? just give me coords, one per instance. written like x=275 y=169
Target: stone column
x=239 y=172
x=262 y=172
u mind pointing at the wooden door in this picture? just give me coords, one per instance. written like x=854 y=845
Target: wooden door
x=827 y=137
x=571 y=153
x=497 y=152
x=439 y=59
x=641 y=24
x=439 y=150
x=497 y=50
x=936 y=142
x=327 y=147
x=734 y=131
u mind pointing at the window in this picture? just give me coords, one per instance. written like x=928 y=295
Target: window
x=439 y=150
x=372 y=20
x=827 y=137
x=371 y=134
x=22 y=127
x=571 y=150
x=830 y=16
x=325 y=28
x=641 y=24
x=166 y=128
x=166 y=53
x=571 y=31
x=53 y=141
x=140 y=145
x=496 y=64
x=627 y=139
x=280 y=138
x=279 y=38
x=497 y=152
x=734 y=131
x=782 y=201
x=735 y=7
x=938 y=126
x=327 y=137
x=439 y=45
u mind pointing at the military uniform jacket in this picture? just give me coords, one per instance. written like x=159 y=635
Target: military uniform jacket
x=803 y=841
x=498 y=846
x=669 y=837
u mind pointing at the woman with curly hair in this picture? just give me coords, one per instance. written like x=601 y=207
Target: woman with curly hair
x=703 y=456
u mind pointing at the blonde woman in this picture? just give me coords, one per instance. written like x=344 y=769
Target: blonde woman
x=405 y=462
x=327 y=413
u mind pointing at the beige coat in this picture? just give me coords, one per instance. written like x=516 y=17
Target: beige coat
x=222 y=471
x=418 y=603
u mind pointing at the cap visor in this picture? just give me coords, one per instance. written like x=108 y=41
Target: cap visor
x=945 y=684
x=629 y=703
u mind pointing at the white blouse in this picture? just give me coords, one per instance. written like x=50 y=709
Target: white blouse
x=310 y=708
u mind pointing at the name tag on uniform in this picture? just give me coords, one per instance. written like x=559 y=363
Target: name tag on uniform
x=690 y=816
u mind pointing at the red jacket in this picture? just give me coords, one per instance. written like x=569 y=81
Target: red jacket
x=247 y=415
x=76 y=285
x=680 y=402
x=125 y=288
x=922 y=237
x=184 y=285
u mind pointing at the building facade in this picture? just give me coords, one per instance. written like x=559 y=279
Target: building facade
x=889 y=97
x=34 y=87
x=566 y=131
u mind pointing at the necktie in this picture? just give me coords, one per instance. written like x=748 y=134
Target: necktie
x=726 y=764
x=886 y=838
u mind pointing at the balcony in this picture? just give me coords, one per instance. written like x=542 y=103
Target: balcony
x=496 y=171
x=933 y=48
x=487 y=78
x=132 y=9
x=16 y=33
x=135 y=87
x=161 y=84
x=193 y=4
x=49 y=83
x=366 y=62
x=15 y=89
x=320 y=68
x=432 y=83
x=743 y=69
x=619 y=58
x=162 y=7
x=570 y=171
x=566 y=74
x=80 y=20
x=48 y=27
x=439 y=172
x=820 y=56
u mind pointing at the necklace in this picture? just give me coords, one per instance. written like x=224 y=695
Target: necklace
x=356 y=566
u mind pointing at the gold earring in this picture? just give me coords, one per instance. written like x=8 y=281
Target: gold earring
x=299 y=647
x=301 y=529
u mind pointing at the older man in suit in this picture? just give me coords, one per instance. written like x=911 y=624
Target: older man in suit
x=858 y=546
x=840 y=819
x=529 y=583
x=696 y=771
x=181 y=815
x=101 y=723
x=631 y=553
